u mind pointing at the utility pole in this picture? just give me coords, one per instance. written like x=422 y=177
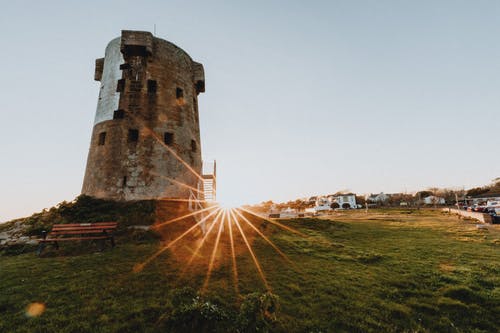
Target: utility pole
x=366 y=203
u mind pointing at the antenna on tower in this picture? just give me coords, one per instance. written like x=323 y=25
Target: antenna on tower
x=154 y=30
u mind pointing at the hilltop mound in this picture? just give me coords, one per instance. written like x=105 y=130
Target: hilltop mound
x=83 y=209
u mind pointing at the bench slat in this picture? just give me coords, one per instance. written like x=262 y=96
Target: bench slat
x=86 y=223
x=71 y=239
x=86 y=228
x=107 y=225
x=76 y=232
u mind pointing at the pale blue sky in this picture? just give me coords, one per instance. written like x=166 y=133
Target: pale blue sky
x=303 y=97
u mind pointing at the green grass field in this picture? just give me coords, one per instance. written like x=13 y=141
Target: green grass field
x=386 y=271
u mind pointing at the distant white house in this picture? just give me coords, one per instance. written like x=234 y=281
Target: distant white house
x=319 y=209
x=344 y=200
x=288 y=213
x=378 y=198
x=325 y=203
x=434 y=200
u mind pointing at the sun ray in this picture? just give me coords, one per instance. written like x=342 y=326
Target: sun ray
x=178 y=182
x=274 y=222
x=195 y=252
x=233 y=254
x=162 y=224
x=140 y=266
x=160 y=141
x=182 y=200
x=254 y=258
x=214 y=252
x=265 y=238
x=157 y=138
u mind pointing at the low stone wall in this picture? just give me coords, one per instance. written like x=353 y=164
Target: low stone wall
x=481 y=217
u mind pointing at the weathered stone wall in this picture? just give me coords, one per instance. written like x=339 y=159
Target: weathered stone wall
x=148 y=111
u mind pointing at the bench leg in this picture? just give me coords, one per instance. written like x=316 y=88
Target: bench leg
x=101 y=244
x=56 y=245
x=112 y=240
x=39 y=251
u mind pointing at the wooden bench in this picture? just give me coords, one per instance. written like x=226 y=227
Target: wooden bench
x=78 y=231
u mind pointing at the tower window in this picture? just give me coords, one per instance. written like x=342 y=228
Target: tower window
x=120 y=86
x=102 y=139
x=193 y=146
x=124 y=183
x=168 y=138
x=119 y=114
x=133 y=135
x=151 y=86
x=124 y=66
x=179 y=93
x=200 y=86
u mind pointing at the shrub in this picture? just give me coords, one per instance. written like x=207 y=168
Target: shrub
x=258 y=312
x=192 y=313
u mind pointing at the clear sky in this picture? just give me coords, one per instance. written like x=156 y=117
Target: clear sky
x=302 y=97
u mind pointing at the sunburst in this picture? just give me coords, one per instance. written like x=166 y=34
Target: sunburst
x=218 y=217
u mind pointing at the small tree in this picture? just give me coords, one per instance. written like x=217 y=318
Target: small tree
x=477 y=191
x=360 y=200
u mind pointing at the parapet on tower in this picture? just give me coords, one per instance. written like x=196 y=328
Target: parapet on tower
x=146 y=138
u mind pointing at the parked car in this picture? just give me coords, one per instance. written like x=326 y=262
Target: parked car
x=480 y=208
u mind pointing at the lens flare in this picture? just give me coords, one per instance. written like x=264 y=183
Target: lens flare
x=35 y=309
x=233 y=254
x=162 y=224
x=214 y=252
x=281 y=225
x=254 y=258
x=220 y=215
x=200 y=244
x=141 y=266
x=264 y=237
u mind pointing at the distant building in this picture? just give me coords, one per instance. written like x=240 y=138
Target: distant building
x=345 y=200
x=324 y=203
x=288 y=213
x=378 y=198
x=312 y=199
x=318 y=209
x=434 y=200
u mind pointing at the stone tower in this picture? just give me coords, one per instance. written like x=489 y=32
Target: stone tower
x=146 y=138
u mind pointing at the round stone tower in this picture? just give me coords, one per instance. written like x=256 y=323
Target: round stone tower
x=146 y=138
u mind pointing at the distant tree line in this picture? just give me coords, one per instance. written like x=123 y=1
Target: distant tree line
x=393 y=200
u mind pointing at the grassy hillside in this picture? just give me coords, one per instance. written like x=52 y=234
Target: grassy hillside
x=413 y=271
